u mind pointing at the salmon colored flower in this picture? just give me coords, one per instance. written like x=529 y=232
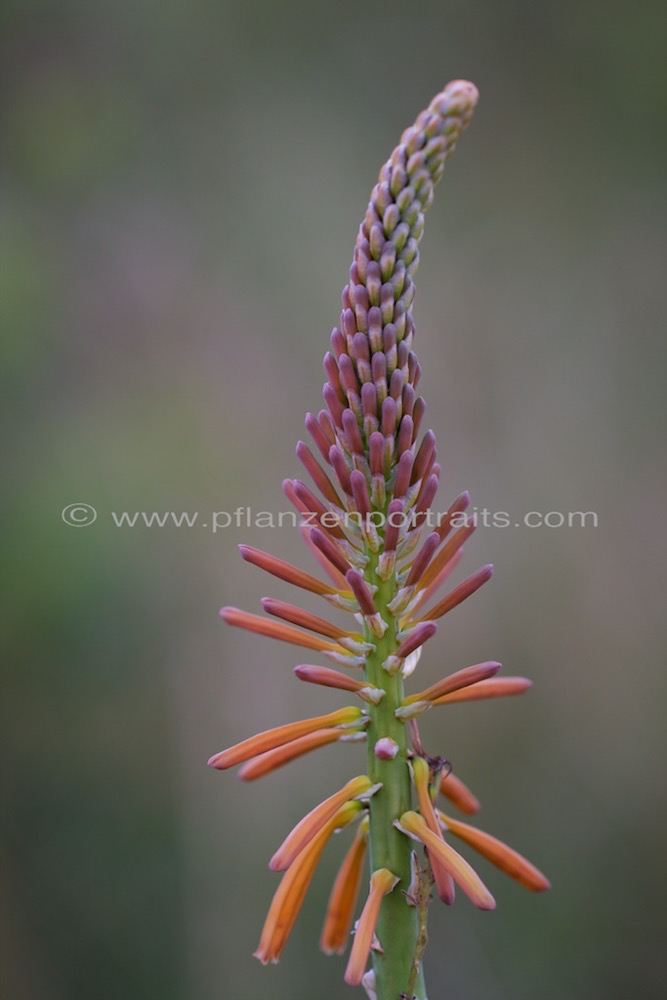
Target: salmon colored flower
x=344 y=894
x=447 y=552
x=457 y=792
x=504 y=857
x=271 y=738
x=335 y=679
x=382 y=882
x=291 y=892
x=428 y=592
x=297 y=616
x=466 y=877
x=283 y=570
x=454 y=682
x=458 y=507
x=416 y=703
x=276 y=630
x=495 y=687
x=461 y=593
x=313 y=822
x=337 y=578
x=422 y=776
x=279 y=756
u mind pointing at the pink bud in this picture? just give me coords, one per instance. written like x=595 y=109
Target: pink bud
x=386 y=748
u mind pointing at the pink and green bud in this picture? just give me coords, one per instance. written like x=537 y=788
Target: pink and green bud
x=386 y=748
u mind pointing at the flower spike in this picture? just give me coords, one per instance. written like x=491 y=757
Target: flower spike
x=367 y=518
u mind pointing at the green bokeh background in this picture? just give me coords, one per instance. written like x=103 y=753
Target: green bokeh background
x=183 y=185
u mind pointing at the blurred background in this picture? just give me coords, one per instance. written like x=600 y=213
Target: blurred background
x=183 y=182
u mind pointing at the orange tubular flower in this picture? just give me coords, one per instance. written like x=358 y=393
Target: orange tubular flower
x=459 y=793
x=276 y=630
x=504 y=857
x=297 y=616
x=447 y=552
x=344 y=894
x=313 y=821
x=461 y=593
x=283 y=570
x=382 y=882
x=327 y=677
x=415 y=826
x=339 y=581
x=291 y=892
x=271 y=738
x=460 y=679
x=444 y=882
x=427 y=593
x=273 y=759
x=495 y=687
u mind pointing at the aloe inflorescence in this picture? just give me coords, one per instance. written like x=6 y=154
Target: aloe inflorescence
x=384 y=556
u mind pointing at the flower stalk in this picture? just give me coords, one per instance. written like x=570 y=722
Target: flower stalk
x=368 y=527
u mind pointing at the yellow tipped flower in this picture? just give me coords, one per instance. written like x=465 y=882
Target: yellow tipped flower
x=382 y=882
x=273 y=759
x=291 y=892
x=271 y=738
x=504 y=857
x=444 y=882
x=415 y=826
x=313 y=822
x=343 y=898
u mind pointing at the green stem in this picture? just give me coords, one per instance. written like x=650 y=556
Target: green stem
x=398 y=925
